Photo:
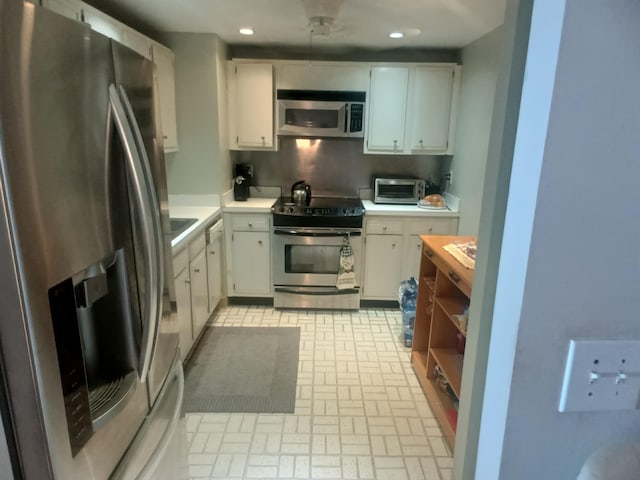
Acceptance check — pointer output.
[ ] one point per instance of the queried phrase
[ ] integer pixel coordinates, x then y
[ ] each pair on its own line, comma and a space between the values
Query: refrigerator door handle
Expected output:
143, 200
157, 226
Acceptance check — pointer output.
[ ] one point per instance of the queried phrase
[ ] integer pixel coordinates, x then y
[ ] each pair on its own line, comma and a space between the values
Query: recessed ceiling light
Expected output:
246, 31
396, 34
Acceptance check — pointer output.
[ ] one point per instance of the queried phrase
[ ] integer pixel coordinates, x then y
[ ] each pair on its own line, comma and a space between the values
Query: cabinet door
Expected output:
199, 292
164, 60
383, 266
254, 105
430, 102
251, 263
387, 109
102, 23
183, 303
67, 8
214, 271
412, 257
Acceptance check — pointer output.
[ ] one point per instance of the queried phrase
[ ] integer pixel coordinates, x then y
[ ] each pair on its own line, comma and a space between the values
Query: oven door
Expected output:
310, 257
306, 263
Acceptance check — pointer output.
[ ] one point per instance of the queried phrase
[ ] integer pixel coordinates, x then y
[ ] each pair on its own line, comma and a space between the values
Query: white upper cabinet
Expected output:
251, 106
160, 55
166, 85
412, 109
137, 42
430, 109
387, 106
102, 23
323, 76
67, 8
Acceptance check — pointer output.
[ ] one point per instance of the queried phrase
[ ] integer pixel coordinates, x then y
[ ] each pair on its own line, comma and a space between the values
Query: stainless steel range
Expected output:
307, 240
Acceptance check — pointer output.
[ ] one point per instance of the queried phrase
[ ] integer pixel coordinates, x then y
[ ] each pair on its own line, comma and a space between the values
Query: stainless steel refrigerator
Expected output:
91, 378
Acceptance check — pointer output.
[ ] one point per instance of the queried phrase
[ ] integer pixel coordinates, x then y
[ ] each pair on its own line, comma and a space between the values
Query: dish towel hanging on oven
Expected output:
346, 275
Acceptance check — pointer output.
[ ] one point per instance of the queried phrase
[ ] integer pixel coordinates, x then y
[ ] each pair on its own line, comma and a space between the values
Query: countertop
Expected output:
405, 210
206, 215
252, 205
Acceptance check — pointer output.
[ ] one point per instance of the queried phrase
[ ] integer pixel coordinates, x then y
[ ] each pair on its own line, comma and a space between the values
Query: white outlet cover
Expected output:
606, 359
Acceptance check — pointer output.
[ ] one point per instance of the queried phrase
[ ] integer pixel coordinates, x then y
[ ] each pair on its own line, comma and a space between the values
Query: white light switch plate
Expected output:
601, 375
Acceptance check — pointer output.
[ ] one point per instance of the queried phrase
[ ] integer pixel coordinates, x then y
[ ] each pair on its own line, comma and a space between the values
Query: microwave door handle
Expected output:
142, 201
346, 117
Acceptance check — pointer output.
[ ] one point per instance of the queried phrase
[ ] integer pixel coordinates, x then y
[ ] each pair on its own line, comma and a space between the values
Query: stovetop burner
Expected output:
321, 212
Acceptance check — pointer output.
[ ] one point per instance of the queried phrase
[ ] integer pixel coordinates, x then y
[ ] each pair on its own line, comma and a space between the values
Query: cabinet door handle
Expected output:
428, 252
187, 282
454, 277
384, 227
212, 253
251, 225
259, 242
196, 270
393, 245
430, 229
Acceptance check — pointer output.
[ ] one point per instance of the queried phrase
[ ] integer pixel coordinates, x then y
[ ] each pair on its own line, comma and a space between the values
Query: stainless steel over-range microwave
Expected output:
398, 190
321, 113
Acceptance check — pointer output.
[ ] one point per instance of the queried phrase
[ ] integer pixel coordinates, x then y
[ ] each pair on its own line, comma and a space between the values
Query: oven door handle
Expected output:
317, 233
317, 291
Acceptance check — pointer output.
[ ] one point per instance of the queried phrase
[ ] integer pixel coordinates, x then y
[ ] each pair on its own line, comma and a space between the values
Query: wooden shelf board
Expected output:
450, 362
440, 403
438, 400
450, 307
419, 357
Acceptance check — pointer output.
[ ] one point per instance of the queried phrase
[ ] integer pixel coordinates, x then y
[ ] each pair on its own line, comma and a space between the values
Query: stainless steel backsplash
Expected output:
334, 166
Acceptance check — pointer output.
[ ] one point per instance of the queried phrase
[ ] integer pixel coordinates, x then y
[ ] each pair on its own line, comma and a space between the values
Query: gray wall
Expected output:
494, 203
333, 166
570, 265
475, 110
201, 165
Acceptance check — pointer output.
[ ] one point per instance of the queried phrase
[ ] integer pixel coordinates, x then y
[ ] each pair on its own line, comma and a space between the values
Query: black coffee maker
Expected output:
241, 182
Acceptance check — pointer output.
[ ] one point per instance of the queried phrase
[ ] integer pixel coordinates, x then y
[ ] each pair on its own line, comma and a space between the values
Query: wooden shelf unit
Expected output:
444, 291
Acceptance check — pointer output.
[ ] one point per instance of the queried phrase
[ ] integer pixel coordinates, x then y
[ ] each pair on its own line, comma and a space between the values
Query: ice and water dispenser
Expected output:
97, 335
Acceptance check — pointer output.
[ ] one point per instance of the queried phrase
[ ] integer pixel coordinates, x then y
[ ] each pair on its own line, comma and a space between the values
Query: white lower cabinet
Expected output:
248, 255
199, 292
392, 251
383, 275
411, 261
214, 266
182, 284
193, 272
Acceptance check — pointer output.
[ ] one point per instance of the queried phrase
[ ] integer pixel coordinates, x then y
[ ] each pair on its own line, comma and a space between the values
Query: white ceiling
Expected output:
361, 23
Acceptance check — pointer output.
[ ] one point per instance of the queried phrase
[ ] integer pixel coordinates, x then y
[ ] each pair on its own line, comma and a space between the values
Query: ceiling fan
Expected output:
321, 15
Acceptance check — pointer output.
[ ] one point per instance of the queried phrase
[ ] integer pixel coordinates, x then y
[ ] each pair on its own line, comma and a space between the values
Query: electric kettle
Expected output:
301, 193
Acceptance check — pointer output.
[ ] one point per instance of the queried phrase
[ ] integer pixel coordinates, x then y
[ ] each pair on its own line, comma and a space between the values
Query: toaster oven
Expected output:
398, 190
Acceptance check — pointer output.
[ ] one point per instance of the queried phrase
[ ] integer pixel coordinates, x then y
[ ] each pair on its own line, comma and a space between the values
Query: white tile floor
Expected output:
360, 412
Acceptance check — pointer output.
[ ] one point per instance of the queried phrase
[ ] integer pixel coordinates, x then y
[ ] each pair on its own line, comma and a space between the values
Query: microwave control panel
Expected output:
355, 123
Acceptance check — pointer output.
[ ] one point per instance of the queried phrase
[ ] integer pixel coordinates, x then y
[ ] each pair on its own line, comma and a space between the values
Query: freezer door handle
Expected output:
149, 469
144, 202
